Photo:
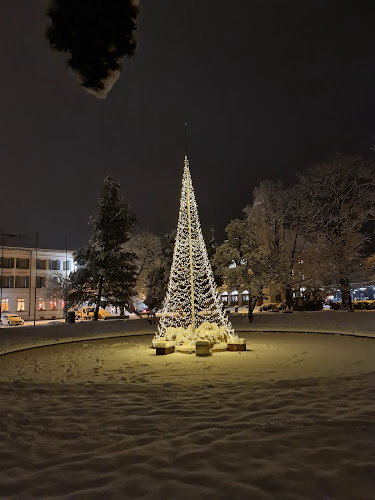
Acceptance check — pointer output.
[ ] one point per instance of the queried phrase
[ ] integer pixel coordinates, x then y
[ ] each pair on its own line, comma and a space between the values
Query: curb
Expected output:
71, 340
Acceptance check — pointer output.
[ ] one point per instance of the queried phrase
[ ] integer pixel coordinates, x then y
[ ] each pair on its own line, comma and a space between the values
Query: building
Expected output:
24, 274
237, 297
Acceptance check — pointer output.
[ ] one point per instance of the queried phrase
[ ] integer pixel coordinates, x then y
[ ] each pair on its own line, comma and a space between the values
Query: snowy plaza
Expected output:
291, 417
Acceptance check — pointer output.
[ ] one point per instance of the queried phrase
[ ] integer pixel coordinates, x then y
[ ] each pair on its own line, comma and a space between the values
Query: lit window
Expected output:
62, 304
41, 305
52, 305
5, 305
21, 304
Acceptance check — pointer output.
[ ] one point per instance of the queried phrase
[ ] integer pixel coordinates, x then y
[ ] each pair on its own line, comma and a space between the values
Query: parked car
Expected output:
86, 313
270, 308
11, 319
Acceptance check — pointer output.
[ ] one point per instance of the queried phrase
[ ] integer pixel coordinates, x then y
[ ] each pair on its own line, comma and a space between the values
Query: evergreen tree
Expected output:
106, 273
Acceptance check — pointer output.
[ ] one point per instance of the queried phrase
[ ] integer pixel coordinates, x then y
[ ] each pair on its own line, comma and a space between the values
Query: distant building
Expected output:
25, 271
238, 297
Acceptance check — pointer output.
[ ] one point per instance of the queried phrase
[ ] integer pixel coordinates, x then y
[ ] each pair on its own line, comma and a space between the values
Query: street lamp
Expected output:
66, 281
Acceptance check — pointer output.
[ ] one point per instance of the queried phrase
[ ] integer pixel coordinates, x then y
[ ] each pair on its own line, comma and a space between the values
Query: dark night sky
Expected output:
267, 87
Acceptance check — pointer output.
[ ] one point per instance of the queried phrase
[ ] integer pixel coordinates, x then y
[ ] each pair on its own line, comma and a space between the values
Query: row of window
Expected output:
21, 281
8, 263
21, 305
52, 265
234, 297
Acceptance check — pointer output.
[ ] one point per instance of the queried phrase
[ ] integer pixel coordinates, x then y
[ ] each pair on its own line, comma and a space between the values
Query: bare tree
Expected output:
277, 216
147, 247
157, 279
340, 201
55, 286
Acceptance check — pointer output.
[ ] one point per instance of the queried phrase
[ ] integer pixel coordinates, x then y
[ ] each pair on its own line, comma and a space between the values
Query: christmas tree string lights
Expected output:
191, 309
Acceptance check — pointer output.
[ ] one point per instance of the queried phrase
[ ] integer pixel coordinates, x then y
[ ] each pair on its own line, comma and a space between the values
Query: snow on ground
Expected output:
291, 418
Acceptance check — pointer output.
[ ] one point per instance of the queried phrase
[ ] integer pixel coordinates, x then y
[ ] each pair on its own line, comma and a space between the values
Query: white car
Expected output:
11, 319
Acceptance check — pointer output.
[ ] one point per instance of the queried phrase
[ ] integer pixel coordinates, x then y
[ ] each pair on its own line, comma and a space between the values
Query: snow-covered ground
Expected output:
291, 418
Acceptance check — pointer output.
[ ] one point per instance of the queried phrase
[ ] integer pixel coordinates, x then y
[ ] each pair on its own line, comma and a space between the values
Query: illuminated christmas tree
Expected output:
192, 309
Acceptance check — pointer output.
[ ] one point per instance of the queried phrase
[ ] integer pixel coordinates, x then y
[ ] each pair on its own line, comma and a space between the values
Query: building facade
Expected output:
237, 297
25, 272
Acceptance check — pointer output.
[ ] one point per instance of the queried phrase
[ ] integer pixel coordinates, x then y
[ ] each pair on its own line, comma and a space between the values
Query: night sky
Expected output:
267, 87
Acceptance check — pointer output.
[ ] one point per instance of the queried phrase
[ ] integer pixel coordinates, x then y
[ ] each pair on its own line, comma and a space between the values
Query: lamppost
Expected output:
36, 273
66, 280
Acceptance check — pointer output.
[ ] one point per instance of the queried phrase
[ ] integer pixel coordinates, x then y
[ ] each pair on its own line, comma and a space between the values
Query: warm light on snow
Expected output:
105, 418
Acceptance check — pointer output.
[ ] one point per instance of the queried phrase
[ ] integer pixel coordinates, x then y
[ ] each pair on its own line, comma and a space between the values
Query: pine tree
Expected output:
106, 273
191, 308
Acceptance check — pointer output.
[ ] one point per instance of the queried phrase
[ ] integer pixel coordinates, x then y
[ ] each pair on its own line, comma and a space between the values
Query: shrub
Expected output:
335, 306
364, 305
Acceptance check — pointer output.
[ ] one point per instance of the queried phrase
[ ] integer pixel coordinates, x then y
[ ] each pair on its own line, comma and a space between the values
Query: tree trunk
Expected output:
252, 302
289, 297
345, 293
65, 304
100, 290
65, 311
122, 311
